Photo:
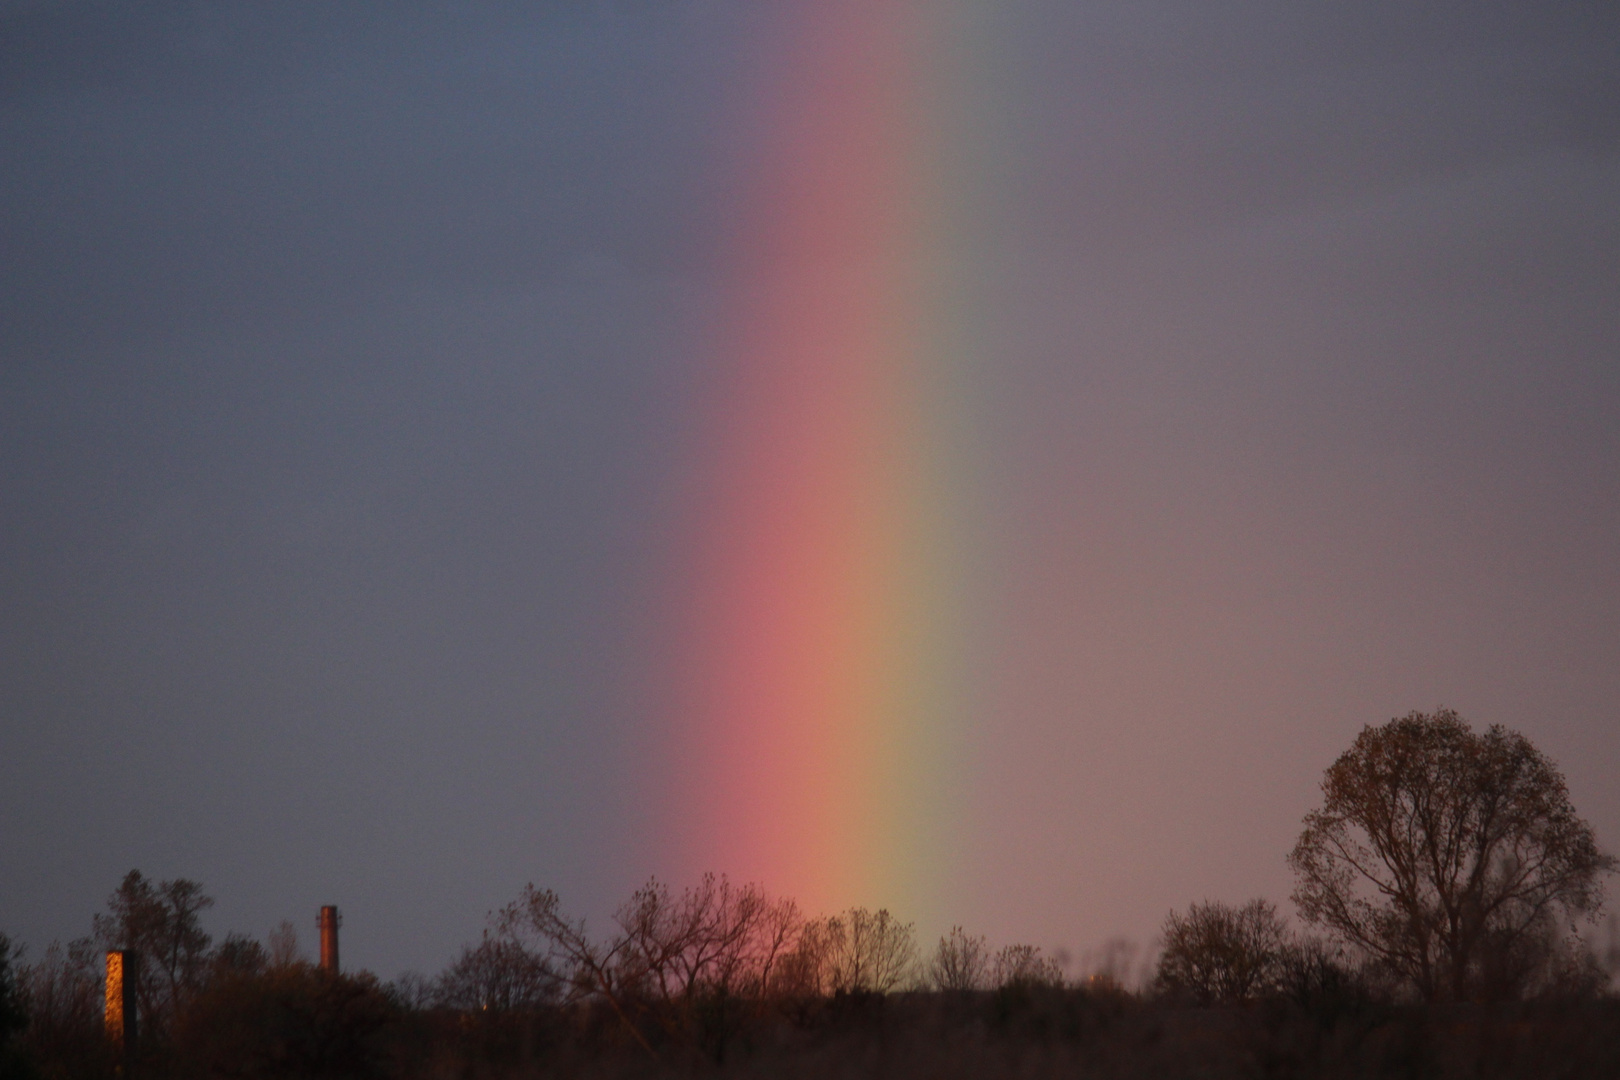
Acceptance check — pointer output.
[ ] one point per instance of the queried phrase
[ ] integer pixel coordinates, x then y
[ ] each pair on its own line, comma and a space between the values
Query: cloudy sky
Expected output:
352, 358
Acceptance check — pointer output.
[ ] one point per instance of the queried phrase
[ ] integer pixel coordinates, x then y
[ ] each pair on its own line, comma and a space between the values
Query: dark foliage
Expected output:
15, 1063
289, 1021
1217, 952
499, 974
63, 992
1033, 1031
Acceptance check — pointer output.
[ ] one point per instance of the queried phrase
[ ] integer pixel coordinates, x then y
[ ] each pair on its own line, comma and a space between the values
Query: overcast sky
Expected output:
351, 357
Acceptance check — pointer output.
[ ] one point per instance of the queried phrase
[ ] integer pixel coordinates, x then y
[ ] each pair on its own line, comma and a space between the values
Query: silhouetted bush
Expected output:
15, 1062
62, 991
1023, 965
961, 961
291, 1021
1320, 983
500, 975
1217, 952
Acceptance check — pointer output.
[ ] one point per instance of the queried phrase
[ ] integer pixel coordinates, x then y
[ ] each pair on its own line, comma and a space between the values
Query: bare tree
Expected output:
1317, 974
161, 921
415, 992
715, 938
802, 970
1447, 857
1220, 953
960, 962
613, 971
63, 990
284, 948
498, 974
1023, 965
13, 1011
238, 954
775, 939
862, 951
712, 939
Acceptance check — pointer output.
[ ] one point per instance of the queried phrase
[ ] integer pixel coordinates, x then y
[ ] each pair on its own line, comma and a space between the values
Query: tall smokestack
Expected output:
123, 971
328, 922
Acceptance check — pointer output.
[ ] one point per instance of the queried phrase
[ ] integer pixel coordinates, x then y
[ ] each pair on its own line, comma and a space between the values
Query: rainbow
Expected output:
820, 636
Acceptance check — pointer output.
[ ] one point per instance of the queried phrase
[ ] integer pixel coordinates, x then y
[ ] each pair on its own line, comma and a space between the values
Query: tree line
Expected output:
1444, 868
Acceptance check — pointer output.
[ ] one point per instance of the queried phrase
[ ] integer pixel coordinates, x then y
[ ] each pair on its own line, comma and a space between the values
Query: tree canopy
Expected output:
1448, 857
161, 921
1217, 952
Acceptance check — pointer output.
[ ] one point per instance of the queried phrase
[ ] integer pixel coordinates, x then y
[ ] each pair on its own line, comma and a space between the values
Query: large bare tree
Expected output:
1452, 859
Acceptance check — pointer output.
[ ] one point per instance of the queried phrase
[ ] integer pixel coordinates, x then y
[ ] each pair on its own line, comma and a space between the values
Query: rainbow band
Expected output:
816, 638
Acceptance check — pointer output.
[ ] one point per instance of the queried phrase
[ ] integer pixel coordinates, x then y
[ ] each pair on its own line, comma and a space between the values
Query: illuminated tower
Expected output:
123, 970
328, 922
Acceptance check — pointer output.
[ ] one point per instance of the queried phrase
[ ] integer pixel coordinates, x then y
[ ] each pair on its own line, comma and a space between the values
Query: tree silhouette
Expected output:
1023, 965
498, 974
668, 955
291, 1021
1217, 952
861, 951
960, 962
13, 1015
63, 991
160, 921
1448, 857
